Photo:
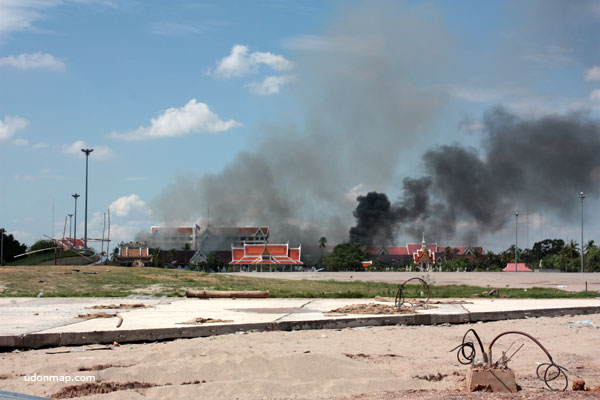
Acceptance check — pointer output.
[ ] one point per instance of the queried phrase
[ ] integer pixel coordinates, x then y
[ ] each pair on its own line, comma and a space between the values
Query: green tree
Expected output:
42, 244
155, 253
345, 256
571, 250
322, 245
547, 247
592, 260
590, 245
462, 264
11, 247
213, 263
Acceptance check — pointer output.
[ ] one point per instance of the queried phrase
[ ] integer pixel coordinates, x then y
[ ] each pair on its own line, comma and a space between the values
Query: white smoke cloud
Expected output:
194, 117
38, 60
10, 125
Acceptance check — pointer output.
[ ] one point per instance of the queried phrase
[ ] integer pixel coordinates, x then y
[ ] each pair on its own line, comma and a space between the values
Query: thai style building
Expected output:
278, 257
428, 256
207, 239
133, 254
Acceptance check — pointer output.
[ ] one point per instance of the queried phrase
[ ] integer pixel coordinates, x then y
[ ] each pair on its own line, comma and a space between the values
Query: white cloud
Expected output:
239, 62
595, 95
270, 85
9, 125
194, 117
127, 205
483, 95
352, 194
307, 42
100, 152
19, 15
20, 142
468, 124
174, 29
33, 61
40, 145
593, 74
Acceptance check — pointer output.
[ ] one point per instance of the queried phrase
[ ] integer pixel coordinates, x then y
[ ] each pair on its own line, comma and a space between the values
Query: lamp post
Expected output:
516, 237
581, 196
2, 246
70, 217
75, 196
87, 153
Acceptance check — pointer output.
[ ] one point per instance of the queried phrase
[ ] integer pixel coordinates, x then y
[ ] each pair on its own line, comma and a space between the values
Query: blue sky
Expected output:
167, 92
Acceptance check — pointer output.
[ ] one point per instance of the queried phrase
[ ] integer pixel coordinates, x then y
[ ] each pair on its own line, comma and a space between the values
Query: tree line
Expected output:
553, 254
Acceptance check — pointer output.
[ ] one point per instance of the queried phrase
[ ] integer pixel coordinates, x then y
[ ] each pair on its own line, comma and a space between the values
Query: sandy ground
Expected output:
570, 282
357, 363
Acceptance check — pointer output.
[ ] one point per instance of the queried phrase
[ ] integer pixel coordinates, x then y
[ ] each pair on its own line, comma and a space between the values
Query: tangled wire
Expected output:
400, 301
547, 372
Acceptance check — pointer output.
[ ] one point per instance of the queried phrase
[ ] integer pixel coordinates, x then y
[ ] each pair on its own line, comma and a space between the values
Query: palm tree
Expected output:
322, 245
589, 246
570, 250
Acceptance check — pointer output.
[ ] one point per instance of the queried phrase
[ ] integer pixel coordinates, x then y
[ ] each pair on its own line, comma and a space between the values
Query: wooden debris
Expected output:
220, 294
96, 315
374, 308
122, 306
201, 320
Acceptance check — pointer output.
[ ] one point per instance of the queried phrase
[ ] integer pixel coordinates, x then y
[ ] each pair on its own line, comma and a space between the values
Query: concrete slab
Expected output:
53, 321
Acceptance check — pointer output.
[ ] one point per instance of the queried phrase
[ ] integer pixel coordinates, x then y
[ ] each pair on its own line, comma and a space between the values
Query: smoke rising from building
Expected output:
370, 87
354, 85
543, 162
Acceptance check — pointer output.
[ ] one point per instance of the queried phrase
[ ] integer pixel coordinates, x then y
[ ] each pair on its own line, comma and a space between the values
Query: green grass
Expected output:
45, 257
110, 281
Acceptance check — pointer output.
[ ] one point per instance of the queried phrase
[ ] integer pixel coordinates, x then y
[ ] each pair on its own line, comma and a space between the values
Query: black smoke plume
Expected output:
541, 162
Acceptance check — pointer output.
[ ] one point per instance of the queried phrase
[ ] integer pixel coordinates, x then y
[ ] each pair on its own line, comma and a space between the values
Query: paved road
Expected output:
570, 282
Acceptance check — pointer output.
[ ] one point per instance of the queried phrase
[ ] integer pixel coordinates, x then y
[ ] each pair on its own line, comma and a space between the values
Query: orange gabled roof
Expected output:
278, 249
295, 254
237, 254
253, 249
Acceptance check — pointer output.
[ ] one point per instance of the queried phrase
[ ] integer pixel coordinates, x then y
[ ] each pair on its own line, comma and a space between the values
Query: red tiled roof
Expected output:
68, 242
278, 249
295, 254
521, 267
237, 253
274, 254
254, 249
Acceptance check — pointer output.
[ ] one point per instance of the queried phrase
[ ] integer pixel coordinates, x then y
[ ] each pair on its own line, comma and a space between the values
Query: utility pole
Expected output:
2, 246
581, 196
75, 196
516, 237
70, 217
87, 153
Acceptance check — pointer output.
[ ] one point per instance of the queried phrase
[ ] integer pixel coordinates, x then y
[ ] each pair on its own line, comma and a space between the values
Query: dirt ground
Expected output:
394, 362
567, 281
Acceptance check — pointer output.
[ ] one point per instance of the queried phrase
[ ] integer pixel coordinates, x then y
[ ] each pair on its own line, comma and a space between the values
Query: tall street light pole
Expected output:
581, 196
75, 196
516, 236
70, 217
87, 154
2, 246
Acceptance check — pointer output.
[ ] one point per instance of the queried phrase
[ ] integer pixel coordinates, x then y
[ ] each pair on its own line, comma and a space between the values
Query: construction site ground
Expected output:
282, 348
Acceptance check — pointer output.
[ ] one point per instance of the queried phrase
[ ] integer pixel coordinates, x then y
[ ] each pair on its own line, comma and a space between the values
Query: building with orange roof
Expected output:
273, 256
133, 254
